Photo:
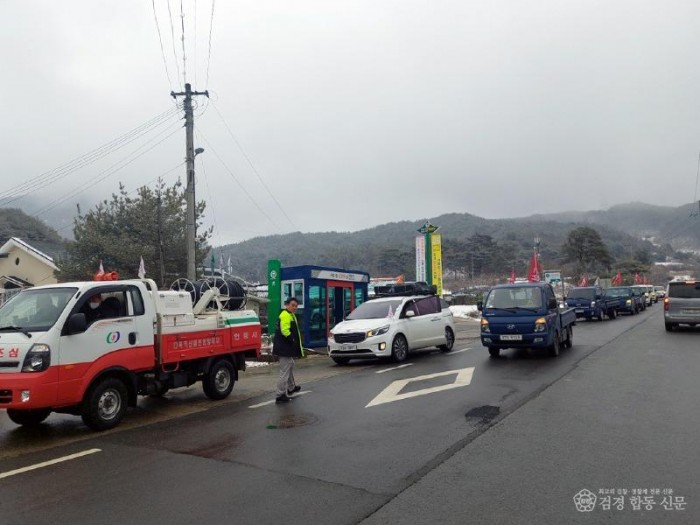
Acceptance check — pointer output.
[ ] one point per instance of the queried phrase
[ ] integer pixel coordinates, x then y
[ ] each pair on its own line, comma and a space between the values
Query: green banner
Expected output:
274, 294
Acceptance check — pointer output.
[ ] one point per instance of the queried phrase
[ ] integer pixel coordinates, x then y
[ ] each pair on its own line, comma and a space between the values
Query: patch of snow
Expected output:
466, 311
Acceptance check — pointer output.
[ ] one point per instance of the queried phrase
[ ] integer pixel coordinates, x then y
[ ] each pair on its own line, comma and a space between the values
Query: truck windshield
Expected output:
35, 310
619, 292
375, 309
582, 293
530, 297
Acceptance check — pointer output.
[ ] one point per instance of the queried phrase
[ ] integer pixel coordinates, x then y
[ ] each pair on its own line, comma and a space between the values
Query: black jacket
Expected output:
287, 345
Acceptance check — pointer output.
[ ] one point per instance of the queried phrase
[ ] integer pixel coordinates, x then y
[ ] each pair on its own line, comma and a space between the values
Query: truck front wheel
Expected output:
494, 352
555, 346
28, 418
105, 404
218, 382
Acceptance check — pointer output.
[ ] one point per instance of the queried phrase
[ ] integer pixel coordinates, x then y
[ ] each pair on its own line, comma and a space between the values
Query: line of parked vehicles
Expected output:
595, 302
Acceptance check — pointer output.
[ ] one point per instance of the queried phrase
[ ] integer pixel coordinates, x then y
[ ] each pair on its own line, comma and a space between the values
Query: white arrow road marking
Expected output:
458, 351
393, 368
265, 403
391, 393
49, 463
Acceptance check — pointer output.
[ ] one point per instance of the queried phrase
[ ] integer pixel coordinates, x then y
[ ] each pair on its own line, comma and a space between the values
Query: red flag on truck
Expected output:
511, 280
637, 279
584, 281
617, 280
533, 274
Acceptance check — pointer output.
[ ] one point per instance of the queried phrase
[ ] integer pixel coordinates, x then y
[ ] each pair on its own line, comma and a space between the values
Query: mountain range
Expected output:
469, 243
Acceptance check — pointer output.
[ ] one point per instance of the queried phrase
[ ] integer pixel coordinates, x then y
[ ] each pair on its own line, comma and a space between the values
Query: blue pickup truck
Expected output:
592, 302
525, 315
631, 299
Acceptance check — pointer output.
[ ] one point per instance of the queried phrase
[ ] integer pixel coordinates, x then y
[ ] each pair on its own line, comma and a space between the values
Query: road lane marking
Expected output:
393, 368
265, 403
49, 463
391, 393
458, 351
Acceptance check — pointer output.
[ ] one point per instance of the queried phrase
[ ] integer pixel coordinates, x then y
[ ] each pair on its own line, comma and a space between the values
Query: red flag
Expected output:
533, 274
512, 276
617, 280
637, 278
584, 281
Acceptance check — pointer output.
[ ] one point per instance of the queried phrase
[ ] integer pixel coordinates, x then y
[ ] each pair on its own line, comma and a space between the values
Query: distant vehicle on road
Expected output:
592, 302
523, 315
660, 292
631, 300
682, 304
408, 319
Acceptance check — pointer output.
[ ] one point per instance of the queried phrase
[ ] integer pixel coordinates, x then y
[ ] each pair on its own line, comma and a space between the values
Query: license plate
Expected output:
511, 337
579, 310
348, 348
690, 311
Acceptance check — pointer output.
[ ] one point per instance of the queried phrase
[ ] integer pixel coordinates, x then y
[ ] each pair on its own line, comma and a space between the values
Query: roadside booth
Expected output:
325, 295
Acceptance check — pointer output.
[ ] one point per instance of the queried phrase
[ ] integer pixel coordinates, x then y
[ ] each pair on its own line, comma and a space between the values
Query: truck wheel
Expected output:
555, 347
399, 349
28, 418
612, 314
218, 382
341, 360
600, 315
569, 338
105, 404
449, 340
494, 352
669, 328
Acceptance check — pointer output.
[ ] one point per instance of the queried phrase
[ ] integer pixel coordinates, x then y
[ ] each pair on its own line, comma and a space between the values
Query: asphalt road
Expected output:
446, 438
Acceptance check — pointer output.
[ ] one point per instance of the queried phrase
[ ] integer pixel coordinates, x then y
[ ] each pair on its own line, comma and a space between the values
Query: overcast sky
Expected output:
357, 113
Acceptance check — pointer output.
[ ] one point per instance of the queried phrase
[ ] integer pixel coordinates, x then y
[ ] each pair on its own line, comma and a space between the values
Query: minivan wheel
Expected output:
449, 340
399, 349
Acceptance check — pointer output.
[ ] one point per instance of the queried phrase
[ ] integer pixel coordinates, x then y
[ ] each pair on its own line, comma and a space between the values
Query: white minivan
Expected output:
392, 327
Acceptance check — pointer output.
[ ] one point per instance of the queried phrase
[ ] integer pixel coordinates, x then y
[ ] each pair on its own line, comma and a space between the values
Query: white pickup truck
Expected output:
54, 357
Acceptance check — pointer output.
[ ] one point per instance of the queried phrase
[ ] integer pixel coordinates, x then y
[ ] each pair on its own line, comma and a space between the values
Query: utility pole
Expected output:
190, 154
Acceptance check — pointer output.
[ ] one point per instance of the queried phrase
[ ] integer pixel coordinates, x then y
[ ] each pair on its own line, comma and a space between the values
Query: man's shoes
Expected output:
293, 390
282, 399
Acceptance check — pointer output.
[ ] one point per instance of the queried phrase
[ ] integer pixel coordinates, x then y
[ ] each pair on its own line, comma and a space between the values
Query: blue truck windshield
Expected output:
515, 297
582, 293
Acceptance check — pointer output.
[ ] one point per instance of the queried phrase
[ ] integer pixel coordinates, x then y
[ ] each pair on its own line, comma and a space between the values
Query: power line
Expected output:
137, 188
47, 178
105, 173
172, 35
269, 192
233, 176
184, 57
211, 25
160, 39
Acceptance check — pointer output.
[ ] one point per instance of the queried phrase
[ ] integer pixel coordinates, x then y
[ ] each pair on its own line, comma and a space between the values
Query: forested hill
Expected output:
16, 223
470, 244
677, 226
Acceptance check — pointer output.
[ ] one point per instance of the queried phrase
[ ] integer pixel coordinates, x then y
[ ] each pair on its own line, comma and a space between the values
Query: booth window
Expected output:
293, 289
359, 297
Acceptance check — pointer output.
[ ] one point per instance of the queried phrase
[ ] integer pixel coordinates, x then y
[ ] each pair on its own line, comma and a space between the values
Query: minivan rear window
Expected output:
684, 290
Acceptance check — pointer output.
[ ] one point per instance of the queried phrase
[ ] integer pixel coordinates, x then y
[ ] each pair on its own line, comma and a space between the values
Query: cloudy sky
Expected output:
341, 115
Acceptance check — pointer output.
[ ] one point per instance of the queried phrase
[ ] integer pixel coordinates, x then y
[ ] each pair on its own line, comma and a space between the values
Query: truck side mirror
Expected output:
480, 305
552, 304
77, 324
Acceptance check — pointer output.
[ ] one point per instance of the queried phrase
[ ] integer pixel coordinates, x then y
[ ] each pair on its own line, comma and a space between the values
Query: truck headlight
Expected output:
37, 359
592, 304
540, 324
628, 302
378, 331
485, 325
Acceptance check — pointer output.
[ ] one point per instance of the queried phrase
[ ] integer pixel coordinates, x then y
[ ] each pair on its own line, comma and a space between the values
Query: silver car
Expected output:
682, 304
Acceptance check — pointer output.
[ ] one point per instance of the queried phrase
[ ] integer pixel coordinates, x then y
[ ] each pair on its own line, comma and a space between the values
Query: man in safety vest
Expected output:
287, 346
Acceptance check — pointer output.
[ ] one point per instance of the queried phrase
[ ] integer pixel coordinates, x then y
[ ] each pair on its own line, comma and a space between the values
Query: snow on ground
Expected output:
467, 311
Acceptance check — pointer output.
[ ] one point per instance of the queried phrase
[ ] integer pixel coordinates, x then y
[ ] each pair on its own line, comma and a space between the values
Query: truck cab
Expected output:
523, 315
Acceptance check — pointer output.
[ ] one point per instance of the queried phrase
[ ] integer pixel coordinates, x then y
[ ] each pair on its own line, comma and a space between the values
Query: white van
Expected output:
393, 327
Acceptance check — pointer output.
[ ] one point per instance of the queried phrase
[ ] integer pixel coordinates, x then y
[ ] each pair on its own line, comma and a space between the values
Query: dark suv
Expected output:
682, 304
